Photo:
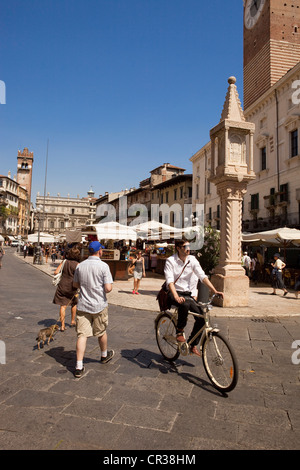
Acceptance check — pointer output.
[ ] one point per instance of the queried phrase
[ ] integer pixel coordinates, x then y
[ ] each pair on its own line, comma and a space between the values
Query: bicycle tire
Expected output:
220, 362
166, 337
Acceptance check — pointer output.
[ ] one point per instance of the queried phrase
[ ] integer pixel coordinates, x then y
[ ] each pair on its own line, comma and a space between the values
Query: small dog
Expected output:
46, 333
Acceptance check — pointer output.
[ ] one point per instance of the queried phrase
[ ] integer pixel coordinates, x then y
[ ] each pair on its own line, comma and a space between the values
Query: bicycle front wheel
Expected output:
220, 362
166, 337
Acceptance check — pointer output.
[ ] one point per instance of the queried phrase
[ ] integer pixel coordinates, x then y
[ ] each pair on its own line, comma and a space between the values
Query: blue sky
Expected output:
117, 86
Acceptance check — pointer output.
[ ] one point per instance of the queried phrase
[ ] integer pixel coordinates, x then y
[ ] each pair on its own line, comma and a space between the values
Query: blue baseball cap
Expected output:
95, 246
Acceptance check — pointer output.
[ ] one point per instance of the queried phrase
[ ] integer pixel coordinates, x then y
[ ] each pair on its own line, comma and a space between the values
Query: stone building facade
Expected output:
59, 213
23, 212
174, 194
9, 206
128, 204
273, 198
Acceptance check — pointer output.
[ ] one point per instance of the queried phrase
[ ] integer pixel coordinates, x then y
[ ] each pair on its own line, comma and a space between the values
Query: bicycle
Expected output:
218, 357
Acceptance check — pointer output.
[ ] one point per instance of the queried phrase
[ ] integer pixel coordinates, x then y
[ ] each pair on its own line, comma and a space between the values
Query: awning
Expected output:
114, 231
44, 238
284, 236
154, 230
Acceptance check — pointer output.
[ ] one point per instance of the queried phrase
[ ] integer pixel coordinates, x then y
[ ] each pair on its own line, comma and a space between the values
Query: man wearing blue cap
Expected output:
94, 279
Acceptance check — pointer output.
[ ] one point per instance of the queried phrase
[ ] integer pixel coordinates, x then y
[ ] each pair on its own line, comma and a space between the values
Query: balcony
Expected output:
188, 200
269, 223
253, 208
270, 201
282, 198
279, 199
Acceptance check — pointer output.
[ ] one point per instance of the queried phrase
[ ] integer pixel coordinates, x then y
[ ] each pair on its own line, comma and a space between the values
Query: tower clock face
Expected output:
253, 11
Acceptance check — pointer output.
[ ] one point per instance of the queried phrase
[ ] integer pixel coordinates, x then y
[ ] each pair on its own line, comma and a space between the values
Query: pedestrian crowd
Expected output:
272, 272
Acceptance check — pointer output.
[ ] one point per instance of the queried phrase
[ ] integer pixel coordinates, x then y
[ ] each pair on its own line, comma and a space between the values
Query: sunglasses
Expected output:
186, 247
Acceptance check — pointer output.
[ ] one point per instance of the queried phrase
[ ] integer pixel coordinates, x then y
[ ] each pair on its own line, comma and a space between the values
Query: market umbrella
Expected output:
284, 236
281, 237
44, 238
114, 231
154, 230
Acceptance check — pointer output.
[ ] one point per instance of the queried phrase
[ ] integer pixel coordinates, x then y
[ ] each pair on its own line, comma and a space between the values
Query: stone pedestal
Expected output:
234, 288
229, 276
231, 170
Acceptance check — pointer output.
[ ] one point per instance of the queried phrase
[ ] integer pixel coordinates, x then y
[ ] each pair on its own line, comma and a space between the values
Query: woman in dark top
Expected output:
65, 291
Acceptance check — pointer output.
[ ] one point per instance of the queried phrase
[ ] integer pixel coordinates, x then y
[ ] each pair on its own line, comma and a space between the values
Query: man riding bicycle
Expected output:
180, 271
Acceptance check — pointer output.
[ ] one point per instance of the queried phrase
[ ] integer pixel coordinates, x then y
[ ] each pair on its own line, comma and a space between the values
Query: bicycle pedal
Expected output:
184, 349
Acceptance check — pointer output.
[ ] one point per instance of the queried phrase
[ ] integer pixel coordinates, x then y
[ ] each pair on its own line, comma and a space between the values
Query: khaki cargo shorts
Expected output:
91, 324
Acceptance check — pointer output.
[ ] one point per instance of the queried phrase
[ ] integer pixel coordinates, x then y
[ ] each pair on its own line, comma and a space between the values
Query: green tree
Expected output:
209, 254
4, 212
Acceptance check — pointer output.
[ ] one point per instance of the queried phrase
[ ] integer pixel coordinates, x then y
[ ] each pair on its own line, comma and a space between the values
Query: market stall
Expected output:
286, 241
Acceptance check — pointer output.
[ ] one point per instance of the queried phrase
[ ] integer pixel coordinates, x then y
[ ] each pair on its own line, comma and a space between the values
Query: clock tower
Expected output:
271, 44
24, 172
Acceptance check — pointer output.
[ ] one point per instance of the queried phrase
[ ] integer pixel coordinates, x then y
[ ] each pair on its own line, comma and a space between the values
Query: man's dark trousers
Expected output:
188, 305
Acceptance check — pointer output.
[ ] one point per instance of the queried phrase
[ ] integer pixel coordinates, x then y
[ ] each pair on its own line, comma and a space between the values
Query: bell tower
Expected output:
271, 44
24, 172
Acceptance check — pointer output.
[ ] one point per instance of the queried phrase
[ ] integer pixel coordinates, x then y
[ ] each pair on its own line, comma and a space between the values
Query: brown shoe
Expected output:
195, 351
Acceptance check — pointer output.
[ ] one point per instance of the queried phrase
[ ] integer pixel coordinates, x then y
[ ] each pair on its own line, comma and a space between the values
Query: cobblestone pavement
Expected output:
138, 401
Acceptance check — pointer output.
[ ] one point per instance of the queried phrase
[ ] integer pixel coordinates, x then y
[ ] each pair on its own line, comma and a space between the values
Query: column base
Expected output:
235, 290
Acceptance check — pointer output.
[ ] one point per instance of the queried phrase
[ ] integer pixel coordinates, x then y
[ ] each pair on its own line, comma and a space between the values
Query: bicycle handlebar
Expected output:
206, 304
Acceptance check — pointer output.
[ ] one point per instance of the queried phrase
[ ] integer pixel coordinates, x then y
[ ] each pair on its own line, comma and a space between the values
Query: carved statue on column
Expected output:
231, 171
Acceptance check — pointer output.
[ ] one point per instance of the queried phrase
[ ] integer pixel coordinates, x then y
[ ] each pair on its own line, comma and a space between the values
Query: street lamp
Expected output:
38, 257
192, 219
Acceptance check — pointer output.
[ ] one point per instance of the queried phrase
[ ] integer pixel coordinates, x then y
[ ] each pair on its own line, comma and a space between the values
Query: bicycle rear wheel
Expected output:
166, 337
220, 362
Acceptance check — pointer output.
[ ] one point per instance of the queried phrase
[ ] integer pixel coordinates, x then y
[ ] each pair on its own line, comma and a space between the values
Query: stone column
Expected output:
231, 173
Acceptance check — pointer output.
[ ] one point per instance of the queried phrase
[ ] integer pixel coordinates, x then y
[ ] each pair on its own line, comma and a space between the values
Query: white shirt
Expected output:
246, 261
186, 282
278, 264
92, 274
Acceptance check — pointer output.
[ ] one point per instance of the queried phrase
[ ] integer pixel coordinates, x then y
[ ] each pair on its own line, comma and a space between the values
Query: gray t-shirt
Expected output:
91, 275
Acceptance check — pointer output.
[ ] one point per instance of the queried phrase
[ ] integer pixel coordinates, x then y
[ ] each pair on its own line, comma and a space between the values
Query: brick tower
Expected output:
271, 44
24, 172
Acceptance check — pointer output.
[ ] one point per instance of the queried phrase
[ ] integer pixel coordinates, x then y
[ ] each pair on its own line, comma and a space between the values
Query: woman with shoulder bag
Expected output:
65, 292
